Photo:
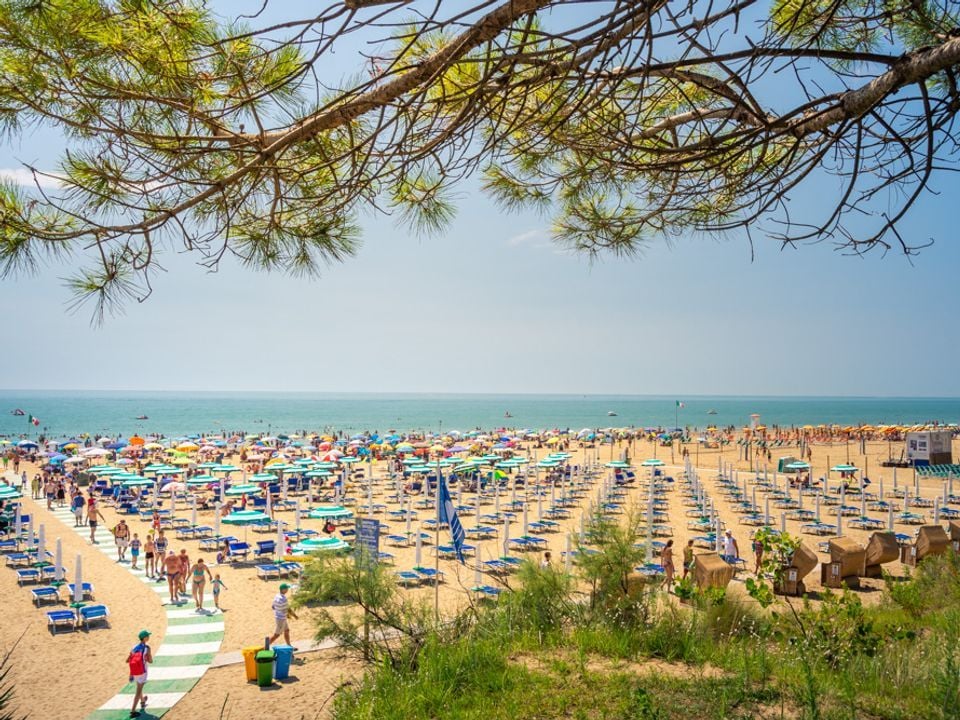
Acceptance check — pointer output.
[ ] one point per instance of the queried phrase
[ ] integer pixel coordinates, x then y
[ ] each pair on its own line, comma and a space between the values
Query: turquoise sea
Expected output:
67, 413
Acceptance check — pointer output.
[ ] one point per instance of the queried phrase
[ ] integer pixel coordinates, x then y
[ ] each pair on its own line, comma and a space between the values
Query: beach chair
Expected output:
429, 574
408, 578
27, 575
267, 572
203, 531
265, 548
87, 590
385, 558
45, 594
398, 540
449, 551
237, 551
57, 619
185, 533
18, 559
93, 613
487, 591
7, 546
215, 543
291, 567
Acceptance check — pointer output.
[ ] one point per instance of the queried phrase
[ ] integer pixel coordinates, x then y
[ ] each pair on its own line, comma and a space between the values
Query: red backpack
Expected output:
137, 660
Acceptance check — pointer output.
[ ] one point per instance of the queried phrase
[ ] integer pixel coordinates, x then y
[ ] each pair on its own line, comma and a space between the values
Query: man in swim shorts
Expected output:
171, 563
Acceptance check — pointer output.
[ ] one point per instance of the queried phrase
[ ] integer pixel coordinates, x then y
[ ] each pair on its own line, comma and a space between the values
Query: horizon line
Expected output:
668, 396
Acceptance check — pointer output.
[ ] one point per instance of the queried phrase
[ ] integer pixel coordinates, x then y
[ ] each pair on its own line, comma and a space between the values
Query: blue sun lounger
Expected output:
290, 567
266, 572
28, 575
93, 613
487, 591
45, 594
429, 574
408, 577
266, 548
57, 619
237, 551
87, 590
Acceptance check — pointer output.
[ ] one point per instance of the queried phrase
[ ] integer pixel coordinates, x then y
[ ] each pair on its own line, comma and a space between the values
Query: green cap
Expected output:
284, 586
144, 634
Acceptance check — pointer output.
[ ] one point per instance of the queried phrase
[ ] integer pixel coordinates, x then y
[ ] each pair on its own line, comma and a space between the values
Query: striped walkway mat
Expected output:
191, 642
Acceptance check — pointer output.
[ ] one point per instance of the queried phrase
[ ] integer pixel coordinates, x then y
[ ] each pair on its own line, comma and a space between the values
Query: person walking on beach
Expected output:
161, 553
93, 518
134, 551
198, 575
217, 585
281, 608
121, 536
77, 504
50, 490
149, 555
757, 554
171, 564
731, 551
137, 662
688, 558
184, 570
666, 559
35, 486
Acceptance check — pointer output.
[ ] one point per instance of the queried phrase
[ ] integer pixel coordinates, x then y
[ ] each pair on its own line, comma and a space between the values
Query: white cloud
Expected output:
536, 238
25, 177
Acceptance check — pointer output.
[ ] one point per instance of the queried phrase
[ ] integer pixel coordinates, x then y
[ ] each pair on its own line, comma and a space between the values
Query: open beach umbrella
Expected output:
332, 512
9, 492
243, 489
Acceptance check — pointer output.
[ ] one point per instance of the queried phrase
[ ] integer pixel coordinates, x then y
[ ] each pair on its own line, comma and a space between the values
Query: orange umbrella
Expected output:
136, 440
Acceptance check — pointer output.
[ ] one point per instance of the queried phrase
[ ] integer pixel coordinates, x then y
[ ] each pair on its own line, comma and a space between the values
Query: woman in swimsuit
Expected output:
171, 564
199, 574
666, 559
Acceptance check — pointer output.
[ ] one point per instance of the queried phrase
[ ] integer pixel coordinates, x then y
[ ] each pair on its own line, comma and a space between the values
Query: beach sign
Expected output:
367, 545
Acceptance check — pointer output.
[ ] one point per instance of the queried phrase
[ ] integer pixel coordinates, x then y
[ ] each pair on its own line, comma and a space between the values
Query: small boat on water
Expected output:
142, 417
18, 412
711, 412
611, 413
507, 414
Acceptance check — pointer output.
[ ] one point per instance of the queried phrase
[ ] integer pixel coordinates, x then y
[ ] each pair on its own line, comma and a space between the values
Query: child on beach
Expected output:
217, 584
134, 551
137, 661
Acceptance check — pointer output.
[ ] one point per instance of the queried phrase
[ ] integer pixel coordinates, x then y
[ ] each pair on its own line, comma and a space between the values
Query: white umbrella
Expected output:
18, 524
817, 507
58, 562
719, 532
30, 538
506, 535
296, 514
477, 575
193, 510
568, 558
539, 506
418, 548
582, 533
783, 523
284, 486
881, 487
223, 487
409, 516
78, 580
496, 501
216, 520
42, 544
281, 541
890, 518
863, 505
839, 523
936, 511
526, 530
766, 511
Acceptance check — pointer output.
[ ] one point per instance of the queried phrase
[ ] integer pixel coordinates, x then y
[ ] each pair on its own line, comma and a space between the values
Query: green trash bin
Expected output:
264, 661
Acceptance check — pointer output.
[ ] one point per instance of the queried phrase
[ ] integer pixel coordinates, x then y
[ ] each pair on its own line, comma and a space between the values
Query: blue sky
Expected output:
492, 306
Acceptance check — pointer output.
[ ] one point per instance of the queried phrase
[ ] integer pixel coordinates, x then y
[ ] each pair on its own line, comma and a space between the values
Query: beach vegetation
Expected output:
561, 645
249, 139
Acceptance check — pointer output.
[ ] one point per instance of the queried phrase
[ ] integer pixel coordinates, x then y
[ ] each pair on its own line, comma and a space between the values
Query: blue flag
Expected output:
447, 513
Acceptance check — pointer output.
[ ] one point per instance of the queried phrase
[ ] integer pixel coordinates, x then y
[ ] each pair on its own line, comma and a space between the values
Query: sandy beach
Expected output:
84, 669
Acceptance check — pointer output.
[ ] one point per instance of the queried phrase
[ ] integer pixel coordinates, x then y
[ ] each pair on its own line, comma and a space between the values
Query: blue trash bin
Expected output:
284, 658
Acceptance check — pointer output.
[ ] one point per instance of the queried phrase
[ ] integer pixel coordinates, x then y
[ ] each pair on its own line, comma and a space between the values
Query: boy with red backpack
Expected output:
137, 661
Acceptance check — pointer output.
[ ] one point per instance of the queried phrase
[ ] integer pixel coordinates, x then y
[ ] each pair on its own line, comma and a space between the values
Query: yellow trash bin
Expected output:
249, 661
